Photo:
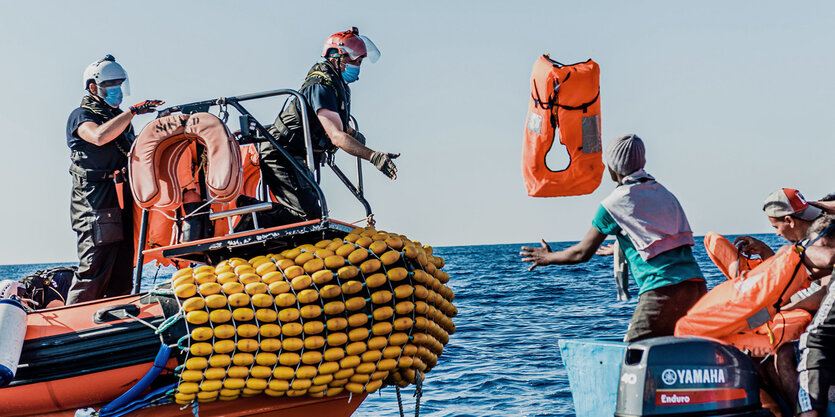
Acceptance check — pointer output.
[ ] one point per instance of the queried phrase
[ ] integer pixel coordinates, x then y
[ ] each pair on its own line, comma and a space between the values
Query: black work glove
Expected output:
146, 106
383, 162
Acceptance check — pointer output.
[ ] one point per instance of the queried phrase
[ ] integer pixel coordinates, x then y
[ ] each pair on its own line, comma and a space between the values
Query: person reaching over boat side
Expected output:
99, 135
652, 229
790, 215
329, 110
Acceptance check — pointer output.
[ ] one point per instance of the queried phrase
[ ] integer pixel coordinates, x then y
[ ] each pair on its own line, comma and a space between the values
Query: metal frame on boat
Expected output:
242, 243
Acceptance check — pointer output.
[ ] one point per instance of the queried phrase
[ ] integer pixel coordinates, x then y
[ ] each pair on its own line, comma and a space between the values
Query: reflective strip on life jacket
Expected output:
786, 326
564, 97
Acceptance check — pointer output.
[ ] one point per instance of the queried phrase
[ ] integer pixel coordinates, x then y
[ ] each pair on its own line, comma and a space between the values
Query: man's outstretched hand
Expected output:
536, 255
383, 162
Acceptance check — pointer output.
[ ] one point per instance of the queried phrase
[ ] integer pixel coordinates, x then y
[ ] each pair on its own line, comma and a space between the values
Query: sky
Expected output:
733, 101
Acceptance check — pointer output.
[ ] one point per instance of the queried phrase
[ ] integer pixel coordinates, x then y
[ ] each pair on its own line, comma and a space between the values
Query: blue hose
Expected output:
143, 384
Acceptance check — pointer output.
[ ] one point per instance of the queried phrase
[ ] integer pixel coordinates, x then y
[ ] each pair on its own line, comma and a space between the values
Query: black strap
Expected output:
92, 175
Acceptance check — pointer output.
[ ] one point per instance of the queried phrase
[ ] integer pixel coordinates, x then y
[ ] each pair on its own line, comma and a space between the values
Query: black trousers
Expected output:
292, 191
105, 241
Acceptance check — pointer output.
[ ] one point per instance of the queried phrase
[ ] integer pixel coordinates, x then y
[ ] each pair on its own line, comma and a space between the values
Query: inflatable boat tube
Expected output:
83, 354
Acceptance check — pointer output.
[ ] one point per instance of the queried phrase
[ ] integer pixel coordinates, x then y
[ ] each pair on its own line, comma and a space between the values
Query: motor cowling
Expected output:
692, 376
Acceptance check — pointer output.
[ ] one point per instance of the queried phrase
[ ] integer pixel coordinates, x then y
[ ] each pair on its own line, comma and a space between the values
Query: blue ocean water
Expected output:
503, 359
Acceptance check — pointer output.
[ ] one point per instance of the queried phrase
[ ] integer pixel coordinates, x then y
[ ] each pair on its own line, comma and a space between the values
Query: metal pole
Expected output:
140, 257
309, 173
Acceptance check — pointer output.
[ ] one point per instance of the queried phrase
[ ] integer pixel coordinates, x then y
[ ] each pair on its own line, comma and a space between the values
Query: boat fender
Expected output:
13, 329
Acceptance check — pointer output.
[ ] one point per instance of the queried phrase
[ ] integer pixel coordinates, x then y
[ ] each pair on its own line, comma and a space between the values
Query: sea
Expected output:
503, 359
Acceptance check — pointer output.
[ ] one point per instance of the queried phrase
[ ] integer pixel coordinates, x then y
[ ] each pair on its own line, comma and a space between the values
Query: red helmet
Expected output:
350, 43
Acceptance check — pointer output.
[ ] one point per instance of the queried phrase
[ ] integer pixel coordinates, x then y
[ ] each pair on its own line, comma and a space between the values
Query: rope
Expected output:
156, 274
399, 400
141, 321
418, 391
169, 322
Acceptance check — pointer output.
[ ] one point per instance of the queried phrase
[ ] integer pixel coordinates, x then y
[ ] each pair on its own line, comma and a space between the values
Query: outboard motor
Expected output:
691, 376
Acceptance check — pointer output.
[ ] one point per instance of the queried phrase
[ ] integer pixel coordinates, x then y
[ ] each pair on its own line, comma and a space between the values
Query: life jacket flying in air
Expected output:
565, 99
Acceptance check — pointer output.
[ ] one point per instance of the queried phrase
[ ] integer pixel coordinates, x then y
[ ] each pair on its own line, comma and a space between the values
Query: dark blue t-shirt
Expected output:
110, 156
77, 117
320, 96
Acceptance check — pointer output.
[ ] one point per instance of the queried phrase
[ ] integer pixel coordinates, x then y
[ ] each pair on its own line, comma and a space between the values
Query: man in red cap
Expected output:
328, 106
790, 215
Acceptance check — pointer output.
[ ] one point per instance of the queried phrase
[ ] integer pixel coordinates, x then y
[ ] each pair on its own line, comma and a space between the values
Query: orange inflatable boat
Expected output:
564, 105
127, 355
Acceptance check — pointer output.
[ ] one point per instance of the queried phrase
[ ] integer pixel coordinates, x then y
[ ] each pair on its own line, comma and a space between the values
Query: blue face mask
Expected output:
113, 96
351, 73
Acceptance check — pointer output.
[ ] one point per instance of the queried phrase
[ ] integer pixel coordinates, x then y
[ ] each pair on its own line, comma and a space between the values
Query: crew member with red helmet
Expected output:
328, 98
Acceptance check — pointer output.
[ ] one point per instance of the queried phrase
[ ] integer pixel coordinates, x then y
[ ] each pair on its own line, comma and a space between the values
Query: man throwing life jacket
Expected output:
653, 232
99, 136
328, 98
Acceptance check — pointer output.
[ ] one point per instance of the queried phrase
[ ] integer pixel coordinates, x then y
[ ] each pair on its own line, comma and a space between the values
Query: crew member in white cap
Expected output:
653, 233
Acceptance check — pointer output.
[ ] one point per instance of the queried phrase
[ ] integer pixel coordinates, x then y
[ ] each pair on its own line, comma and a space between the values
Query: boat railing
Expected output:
253, 131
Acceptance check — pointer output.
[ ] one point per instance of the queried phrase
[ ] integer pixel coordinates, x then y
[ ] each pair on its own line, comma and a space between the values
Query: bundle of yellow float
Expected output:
344, 314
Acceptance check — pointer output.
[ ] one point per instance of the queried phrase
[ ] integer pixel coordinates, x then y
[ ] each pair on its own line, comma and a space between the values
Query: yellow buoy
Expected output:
194, 303
348, 272
285, 300
322, 277
279, 287
220, 316
185, 290
357, 256
197, 317
270, 330
247, 330
266, 315
336, 323
200, 334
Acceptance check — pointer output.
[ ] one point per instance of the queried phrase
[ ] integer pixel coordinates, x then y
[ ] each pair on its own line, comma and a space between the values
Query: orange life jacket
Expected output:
565, 97
748, 302
785, 327
727, 257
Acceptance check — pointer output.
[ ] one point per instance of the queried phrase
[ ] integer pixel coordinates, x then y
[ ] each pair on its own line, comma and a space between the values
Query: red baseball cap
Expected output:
789, 202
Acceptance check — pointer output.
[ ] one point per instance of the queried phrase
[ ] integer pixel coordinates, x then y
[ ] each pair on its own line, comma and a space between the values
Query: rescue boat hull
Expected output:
88, 354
